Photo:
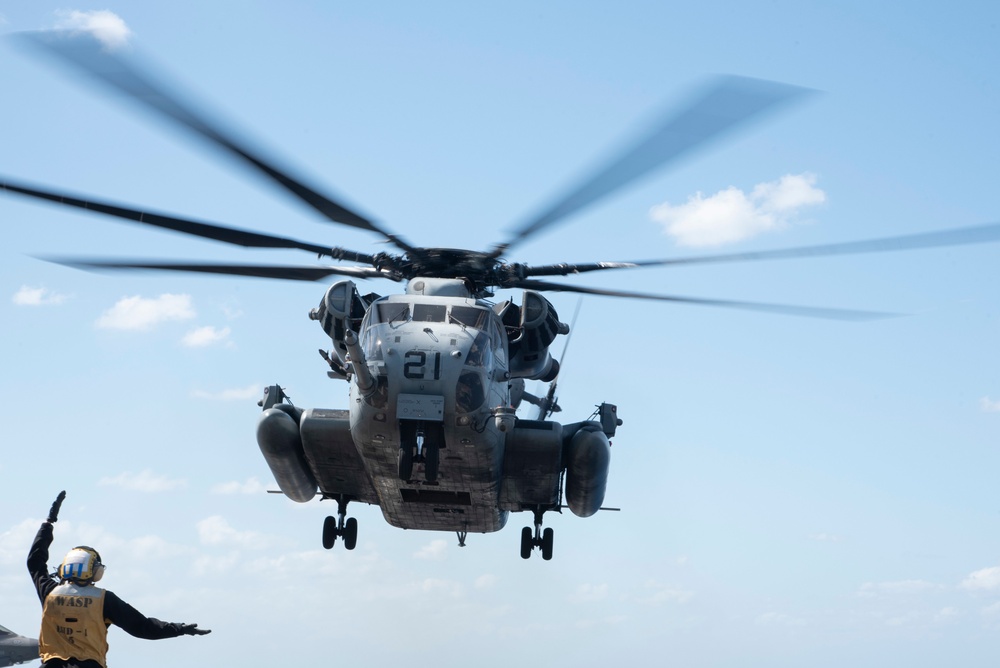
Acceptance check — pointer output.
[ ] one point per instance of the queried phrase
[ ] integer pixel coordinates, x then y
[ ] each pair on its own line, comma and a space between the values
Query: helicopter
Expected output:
437, 373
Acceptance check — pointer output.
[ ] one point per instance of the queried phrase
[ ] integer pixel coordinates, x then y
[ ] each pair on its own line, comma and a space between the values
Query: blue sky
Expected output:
793, 491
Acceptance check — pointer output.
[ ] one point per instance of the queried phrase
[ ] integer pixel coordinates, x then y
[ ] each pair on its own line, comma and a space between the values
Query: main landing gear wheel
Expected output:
342, 526
537, 538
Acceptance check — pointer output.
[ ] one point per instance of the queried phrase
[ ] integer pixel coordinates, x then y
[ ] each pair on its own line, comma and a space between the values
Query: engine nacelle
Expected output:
279, 441
341, 305
588, 460
538, 325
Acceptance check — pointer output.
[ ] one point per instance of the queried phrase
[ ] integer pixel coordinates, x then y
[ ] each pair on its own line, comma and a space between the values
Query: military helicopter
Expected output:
437, 373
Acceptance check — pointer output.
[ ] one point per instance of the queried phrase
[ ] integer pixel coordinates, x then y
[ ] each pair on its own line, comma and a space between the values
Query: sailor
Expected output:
76, 614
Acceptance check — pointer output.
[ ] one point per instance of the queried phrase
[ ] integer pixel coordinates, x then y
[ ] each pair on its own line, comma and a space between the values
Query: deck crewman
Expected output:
76, 614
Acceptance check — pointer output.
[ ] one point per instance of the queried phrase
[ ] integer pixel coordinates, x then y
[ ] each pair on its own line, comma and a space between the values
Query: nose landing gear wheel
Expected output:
404, 463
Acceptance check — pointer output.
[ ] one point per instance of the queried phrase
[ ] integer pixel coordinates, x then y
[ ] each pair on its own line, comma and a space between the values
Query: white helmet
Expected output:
81, 565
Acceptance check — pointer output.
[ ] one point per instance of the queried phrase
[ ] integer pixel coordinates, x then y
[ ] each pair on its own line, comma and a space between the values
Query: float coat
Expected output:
73, 624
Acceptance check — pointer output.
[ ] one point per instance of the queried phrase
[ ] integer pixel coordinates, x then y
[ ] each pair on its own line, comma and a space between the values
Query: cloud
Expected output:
731, 215
433, 550
29, 296
983, 579
251, 486
898, 587
106, 26
487, 581
144, 481
140, 313
990, 405
779, 619
234, 394
590, 593
205, 336
215, 530
826, 537
658, 594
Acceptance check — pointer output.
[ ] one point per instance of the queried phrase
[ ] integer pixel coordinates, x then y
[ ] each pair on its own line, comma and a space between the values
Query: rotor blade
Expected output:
82, 51
229, 235
287, 272
782, 309
977, 234
722, 106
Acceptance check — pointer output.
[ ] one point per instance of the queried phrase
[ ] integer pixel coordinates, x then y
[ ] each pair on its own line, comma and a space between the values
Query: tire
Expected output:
526, 538
547, 537
432, 462
329, 532
350, 533
404, 462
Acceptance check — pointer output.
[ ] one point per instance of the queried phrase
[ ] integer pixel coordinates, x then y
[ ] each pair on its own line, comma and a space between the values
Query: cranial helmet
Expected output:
82, 565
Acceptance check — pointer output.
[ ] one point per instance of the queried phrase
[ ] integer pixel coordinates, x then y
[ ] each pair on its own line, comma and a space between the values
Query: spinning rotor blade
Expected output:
287, 272
86, 53
222, 233
977, 234
782, 309
723, 106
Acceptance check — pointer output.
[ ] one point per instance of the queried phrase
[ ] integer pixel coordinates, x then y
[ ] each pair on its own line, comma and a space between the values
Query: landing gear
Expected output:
342, 526
537, 538
421, 444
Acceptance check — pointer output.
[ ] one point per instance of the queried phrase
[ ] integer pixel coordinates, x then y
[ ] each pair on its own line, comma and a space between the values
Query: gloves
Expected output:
54, 511
192, 630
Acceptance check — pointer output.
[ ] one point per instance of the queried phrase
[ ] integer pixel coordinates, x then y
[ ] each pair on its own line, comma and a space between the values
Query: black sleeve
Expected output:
133, 622
38, 562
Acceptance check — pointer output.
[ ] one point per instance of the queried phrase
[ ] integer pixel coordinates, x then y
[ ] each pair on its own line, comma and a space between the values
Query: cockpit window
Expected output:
429, 312
470, 316
393, 312
469, 393
481, 352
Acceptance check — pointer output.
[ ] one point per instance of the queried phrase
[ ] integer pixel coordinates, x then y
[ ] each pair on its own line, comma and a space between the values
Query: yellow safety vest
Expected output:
73, 624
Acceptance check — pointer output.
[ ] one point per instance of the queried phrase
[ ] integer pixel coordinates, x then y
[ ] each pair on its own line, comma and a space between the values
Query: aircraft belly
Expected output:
464, 497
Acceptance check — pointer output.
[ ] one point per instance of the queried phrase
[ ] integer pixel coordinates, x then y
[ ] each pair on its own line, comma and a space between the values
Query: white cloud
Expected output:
234, 394
990, 405
215, 530
658, 594
487, 581
433, 550
205, 336
779, 619
826, 537
144, 481
106, 26
985, 578
140, 313
251, 486
731, 215
590, 593
869, 589
29, 296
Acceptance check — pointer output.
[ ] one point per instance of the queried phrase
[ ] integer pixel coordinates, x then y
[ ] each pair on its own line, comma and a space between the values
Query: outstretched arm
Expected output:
38, 555
136, 624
